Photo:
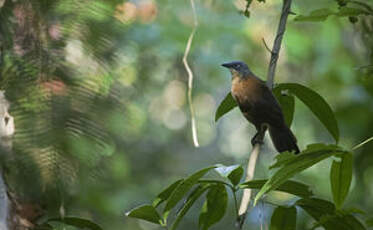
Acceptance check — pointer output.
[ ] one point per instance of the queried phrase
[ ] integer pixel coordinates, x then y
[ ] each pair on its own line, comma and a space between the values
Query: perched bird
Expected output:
260, 107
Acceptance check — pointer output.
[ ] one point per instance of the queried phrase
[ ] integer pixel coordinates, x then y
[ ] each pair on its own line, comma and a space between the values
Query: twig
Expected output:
266, 46
190, 75
270, 78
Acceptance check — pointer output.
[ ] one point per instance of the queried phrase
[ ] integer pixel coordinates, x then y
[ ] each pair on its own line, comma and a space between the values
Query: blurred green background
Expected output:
98, 93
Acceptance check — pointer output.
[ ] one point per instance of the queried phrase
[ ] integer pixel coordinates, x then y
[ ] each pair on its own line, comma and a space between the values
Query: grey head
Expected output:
238, 67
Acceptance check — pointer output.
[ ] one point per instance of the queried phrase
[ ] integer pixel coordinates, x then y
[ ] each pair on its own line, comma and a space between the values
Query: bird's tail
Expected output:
283, 139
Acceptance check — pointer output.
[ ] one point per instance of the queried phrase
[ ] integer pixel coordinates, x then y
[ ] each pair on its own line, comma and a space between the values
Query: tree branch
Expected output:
277, 43
270, 79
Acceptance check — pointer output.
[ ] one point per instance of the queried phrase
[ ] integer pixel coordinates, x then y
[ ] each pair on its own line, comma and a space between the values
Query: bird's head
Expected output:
238, 69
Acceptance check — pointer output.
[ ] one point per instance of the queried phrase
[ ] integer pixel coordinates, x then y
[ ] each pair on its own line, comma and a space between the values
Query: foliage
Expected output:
326, 214
97, 92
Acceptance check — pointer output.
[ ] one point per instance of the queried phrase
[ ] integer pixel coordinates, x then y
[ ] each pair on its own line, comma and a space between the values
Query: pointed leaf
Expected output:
351, 222
182, 189
323, 14
76, 222
286, 157
340, 178
225, 106
234, 173
293, 165
315, 16
284, 218
325, 213
165, 194
289, 186
353, 211
214, 207
349, 11
369, 222
145, 212
287, 103
316, 104
316, 207
197, 192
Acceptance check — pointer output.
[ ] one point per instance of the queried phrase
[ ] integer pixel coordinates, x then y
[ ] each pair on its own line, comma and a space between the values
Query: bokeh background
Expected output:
98, 93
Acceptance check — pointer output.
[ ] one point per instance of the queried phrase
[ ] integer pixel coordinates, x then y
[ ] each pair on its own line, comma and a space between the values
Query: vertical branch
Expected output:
270, 79
190, 75
277, 43
249, 176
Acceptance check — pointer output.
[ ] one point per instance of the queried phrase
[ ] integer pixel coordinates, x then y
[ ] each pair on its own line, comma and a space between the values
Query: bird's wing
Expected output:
266, 108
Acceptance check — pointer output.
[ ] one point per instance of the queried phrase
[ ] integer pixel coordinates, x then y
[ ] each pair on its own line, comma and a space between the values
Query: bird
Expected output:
260, 107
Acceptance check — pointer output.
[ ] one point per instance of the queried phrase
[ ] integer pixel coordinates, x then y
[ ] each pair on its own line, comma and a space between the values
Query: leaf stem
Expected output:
232, 188
235, 202
362, 143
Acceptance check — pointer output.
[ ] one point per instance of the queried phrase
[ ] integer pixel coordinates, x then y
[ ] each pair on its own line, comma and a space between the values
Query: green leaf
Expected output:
43, 226
197, 192
182, 189
316, 207
225, 106
284, 218
290, 166
340, 178
165, 194
214, 207
76, 222
315, 16
289, 186
316, 104
286, 157
369, 222
287, 103
234, 173
145, 212
351, 222
348, 11
283, 158
322, 14
325, 213
353, 211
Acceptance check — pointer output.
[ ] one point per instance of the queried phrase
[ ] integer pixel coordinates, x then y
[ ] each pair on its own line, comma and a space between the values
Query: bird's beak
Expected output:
227, 65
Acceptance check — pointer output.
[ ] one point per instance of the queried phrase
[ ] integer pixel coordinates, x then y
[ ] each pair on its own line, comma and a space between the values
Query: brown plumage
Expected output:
260, 107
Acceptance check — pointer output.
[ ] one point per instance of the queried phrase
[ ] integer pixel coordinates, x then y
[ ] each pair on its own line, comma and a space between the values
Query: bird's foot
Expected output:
257, 139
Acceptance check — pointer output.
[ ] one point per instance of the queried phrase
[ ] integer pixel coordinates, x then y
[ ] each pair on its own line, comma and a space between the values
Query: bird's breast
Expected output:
245, 90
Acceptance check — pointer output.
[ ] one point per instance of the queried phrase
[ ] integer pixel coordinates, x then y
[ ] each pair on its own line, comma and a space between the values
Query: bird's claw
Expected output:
257, 139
